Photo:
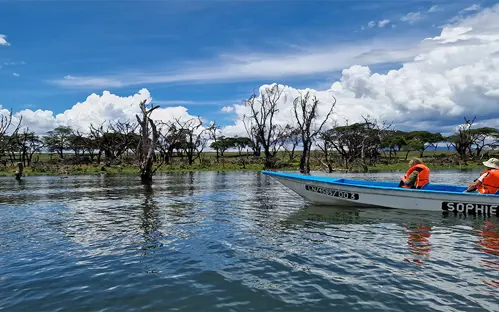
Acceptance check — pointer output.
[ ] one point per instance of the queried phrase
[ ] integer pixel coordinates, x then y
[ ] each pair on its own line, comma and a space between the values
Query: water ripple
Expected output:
233, 242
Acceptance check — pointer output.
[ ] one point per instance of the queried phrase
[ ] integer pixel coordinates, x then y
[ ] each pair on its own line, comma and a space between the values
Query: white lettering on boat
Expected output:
470, 208
332, 192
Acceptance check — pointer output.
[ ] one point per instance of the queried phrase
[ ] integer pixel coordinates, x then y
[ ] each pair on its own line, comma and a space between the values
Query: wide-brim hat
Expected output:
492, 163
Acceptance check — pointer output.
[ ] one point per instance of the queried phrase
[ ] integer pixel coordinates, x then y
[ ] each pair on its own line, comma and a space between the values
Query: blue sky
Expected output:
189, 52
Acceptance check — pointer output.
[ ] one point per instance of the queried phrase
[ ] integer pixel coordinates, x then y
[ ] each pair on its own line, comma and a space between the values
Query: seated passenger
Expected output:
417, 176
488, 182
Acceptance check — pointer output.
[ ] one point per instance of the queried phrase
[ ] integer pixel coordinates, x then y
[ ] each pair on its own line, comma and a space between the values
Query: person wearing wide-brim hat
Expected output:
488, 182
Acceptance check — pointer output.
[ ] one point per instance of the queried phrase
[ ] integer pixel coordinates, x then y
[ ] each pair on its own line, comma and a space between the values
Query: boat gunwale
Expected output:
325, 180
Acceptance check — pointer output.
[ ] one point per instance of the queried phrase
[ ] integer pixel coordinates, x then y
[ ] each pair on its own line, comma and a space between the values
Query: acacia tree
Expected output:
394, 140
77, 142
123, 137
358, 142
147, 143
118, 138
422, 140
374, 136
223, 144
170, 138
495, 141
462, 140
58, 140
241, 143
479, 137
261, 117
29, 145
193, 141
305, 109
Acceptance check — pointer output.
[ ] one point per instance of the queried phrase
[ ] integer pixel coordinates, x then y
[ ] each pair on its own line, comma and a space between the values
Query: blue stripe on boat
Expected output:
429, 188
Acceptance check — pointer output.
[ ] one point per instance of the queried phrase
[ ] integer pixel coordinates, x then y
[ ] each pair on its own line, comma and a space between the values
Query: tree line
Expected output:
146, 142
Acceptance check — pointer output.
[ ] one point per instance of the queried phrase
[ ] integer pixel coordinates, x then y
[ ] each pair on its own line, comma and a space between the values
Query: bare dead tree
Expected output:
170, 138
251, 130
97, 136
114, 140
371, 141
293, 139
278, 140
356, 143
8, 130
77, 142
193, 141
201, 143
6, 123
29, 144
327, 157
214, 131
123, 137
262, 112
305, 109
147, 143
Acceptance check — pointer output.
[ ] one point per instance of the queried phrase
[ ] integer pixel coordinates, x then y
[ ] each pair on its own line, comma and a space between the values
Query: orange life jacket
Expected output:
423, 176
490, 184
485, 171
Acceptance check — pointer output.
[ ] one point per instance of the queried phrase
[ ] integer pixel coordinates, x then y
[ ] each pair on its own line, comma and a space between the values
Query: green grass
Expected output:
232, 162
404, 166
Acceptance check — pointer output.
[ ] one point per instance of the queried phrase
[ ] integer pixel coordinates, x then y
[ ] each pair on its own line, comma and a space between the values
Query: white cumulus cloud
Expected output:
442, 79
383, 23
227, 109
3, 40
453, 75
96, 110
16, 74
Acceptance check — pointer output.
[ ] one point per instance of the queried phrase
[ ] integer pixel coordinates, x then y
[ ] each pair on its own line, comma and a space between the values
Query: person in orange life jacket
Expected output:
488, 182
417, 176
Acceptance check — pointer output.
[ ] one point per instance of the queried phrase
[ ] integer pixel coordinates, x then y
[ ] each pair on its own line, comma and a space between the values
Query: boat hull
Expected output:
341, 192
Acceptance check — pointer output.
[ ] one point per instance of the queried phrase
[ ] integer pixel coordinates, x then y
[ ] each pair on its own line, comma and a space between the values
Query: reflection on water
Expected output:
489, 243
419, 243
233, 241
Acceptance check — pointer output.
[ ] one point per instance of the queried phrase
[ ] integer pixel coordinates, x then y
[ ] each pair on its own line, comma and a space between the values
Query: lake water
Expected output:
234, 242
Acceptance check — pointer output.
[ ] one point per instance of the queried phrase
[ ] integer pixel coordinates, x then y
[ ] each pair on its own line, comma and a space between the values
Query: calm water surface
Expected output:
233, 242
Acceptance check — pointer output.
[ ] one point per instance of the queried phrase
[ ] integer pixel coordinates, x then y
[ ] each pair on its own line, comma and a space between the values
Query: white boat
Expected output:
361, 193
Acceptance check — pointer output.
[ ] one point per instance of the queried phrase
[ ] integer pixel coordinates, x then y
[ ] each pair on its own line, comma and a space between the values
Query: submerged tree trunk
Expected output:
147, 144
19, 171
305, 158
268, 160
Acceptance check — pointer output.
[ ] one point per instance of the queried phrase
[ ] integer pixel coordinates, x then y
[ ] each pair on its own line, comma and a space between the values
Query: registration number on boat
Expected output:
332, 192
471, 208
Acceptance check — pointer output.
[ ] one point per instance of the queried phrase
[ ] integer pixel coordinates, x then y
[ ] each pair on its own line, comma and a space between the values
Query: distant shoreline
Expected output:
78, 170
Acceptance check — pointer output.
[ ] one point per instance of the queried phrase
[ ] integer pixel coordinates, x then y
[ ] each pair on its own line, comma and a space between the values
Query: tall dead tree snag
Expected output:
261, 117
306, 114
147, 143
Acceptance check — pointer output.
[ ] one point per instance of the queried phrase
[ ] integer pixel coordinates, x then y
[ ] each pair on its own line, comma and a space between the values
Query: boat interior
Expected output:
435, 187
428, 187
